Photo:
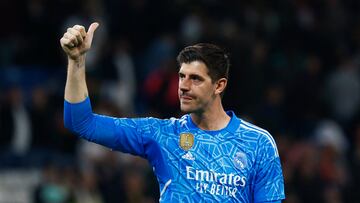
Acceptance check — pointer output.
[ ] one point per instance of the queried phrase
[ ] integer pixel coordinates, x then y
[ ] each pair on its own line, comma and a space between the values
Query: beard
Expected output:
190, 108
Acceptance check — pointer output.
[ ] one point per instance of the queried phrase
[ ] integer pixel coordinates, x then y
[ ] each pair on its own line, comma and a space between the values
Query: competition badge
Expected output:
186, 141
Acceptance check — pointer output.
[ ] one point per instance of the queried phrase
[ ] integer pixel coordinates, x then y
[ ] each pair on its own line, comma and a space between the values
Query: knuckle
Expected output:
77, 33
72, 31
78, 27
68, 34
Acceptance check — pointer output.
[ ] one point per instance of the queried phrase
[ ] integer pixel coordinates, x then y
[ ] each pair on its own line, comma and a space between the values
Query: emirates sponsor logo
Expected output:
215, 183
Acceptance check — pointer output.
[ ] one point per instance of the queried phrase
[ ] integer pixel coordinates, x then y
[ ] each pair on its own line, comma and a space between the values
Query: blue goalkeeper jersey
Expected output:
239, 163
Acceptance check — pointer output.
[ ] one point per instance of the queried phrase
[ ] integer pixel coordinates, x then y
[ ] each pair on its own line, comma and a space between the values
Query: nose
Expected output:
184, 84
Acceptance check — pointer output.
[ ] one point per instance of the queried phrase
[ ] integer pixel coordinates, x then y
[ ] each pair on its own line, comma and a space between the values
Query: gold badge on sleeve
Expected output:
186, 141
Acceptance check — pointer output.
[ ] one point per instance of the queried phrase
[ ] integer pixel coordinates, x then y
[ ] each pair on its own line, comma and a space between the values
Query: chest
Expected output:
201, 157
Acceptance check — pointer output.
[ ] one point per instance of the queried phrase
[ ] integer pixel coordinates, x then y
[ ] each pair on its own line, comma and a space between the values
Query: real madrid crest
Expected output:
186, 141
240, 160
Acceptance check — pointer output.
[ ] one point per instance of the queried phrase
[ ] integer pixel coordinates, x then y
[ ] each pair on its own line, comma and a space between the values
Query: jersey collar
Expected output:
232, 126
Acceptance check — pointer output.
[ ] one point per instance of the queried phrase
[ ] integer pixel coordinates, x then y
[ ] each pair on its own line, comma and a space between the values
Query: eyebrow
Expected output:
193, 75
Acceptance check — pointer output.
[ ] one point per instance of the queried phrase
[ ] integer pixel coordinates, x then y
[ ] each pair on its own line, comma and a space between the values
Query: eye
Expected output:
181, 76
196, 79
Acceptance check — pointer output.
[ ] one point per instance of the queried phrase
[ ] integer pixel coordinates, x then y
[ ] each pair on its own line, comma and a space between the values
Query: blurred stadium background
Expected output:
295, 71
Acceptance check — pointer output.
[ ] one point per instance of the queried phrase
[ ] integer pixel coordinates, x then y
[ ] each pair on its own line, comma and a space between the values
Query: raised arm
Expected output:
75, 43
116, 133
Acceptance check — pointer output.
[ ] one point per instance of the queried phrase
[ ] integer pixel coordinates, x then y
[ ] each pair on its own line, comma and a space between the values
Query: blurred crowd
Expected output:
295, 72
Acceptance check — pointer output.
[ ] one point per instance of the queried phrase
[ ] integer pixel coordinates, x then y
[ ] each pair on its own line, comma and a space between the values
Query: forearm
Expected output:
116, 133
76, 89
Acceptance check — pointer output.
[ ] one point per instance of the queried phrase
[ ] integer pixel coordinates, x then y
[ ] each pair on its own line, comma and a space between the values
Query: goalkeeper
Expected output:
207, 155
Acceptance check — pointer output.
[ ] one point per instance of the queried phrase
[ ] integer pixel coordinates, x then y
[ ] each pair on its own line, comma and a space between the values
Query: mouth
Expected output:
186, 98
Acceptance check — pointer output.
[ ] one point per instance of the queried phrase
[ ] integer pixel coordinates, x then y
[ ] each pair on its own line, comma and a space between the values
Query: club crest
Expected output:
240, 160
186, 141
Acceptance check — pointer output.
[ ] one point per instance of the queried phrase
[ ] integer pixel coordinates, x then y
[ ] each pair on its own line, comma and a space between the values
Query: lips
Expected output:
186, 97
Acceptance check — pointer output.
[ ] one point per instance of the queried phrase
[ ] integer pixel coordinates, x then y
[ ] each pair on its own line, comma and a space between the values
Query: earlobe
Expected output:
220, 85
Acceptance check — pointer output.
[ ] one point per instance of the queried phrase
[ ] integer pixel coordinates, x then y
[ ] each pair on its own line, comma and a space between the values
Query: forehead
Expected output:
195, 67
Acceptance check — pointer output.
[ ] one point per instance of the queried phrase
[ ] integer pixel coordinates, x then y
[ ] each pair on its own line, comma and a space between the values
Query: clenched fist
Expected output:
76, 41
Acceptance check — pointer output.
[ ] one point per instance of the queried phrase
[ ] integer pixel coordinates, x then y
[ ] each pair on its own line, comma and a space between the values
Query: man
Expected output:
208, 155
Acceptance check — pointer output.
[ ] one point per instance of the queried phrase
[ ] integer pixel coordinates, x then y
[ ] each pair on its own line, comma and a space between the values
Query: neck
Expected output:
214, 118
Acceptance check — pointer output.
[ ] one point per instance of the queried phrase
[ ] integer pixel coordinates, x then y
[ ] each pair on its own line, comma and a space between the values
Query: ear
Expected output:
220, 85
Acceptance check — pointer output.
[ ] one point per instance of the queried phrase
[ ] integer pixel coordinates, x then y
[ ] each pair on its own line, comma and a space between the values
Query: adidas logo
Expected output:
188, 156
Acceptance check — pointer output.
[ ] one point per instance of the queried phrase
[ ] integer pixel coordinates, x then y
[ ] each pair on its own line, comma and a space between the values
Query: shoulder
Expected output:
164, 123
264, 139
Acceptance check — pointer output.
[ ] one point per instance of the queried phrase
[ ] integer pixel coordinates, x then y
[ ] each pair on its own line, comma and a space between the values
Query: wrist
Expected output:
78, 62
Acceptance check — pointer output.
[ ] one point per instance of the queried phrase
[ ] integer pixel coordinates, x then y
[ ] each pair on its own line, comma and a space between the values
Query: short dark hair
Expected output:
215, 58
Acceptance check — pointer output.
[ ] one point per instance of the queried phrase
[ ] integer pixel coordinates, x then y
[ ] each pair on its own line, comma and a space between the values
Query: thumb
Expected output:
90, 32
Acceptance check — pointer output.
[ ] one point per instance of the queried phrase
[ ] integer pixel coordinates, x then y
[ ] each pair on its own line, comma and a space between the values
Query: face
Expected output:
196, 90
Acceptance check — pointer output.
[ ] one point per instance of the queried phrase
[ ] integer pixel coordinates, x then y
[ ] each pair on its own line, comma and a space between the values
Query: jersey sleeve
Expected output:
269, 181
122, 134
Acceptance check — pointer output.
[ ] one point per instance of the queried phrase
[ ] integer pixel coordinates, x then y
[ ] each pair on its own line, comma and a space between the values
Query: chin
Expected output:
186, 109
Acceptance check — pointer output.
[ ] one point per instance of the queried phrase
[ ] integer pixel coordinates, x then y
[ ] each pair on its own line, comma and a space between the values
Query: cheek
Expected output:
207, 94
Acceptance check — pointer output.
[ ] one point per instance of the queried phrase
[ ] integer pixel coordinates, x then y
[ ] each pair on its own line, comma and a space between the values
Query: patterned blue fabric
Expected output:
239, 163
